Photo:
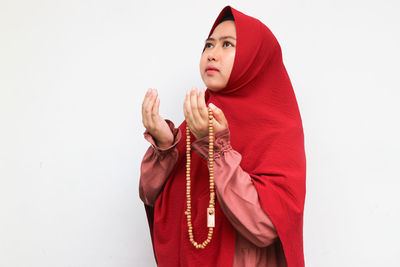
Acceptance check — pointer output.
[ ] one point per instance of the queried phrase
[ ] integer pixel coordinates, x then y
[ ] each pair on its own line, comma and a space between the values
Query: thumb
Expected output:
218, 114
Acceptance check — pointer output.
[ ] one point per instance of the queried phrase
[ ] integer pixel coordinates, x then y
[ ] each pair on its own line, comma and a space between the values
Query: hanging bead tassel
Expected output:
211, 207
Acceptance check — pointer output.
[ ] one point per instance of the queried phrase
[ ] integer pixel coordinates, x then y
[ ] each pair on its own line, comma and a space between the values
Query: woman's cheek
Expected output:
232, 58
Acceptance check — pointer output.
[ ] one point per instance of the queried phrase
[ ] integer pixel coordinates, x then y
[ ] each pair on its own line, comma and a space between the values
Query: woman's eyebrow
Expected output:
222, 38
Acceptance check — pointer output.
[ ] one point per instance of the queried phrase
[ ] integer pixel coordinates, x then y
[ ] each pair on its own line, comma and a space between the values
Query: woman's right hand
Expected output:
153, 122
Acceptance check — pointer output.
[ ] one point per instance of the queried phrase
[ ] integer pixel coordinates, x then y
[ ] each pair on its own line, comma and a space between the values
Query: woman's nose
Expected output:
213, 54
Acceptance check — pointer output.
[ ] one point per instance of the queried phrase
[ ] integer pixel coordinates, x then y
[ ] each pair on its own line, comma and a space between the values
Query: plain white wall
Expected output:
73, 75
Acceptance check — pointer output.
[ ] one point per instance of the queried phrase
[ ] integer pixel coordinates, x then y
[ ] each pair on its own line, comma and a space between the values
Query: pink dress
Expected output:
257, 243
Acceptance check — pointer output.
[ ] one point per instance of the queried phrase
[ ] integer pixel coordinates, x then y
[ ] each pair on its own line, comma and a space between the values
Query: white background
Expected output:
73, 75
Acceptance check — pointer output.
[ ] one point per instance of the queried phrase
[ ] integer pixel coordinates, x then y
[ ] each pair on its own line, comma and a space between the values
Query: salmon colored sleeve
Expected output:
236, 192
156, 165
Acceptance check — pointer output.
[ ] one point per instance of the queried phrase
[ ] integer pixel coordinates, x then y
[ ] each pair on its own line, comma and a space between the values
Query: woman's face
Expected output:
219, 54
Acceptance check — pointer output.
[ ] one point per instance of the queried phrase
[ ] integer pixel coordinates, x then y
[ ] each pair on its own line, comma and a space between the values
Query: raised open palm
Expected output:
153, 122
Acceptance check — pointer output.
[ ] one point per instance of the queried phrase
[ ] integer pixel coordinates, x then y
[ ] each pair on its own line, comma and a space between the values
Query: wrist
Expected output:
201, 135
164, 145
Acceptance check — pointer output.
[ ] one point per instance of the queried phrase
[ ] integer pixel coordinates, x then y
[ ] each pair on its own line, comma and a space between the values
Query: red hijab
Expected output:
266, 129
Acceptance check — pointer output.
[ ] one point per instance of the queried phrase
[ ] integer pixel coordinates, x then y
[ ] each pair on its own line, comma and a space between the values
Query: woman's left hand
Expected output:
196, 114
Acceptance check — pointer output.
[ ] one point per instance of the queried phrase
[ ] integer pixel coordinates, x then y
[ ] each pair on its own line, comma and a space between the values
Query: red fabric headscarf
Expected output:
266, 129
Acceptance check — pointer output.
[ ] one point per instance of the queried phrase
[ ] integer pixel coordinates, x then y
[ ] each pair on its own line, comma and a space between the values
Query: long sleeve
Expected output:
156, 165
236, 192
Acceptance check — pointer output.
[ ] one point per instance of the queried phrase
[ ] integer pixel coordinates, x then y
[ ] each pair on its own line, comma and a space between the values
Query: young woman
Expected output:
259, 163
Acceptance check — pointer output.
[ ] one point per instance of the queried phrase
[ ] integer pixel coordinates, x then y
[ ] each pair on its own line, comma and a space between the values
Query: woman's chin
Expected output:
214, 87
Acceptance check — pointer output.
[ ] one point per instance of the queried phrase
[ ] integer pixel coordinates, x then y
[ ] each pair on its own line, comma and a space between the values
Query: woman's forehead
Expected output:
226, 28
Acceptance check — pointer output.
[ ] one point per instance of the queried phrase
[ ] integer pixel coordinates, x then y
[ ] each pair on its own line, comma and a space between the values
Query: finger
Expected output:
218, 114
193, 104
148, 108
188, 110
154, 115
156, 105
201, 104
146, 99
216, 124
145, 108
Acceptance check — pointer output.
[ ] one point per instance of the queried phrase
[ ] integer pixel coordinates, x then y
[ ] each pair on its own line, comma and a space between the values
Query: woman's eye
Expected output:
208, 45
228, 43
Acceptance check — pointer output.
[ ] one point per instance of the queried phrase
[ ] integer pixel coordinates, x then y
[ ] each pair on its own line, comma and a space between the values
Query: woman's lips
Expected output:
211, 71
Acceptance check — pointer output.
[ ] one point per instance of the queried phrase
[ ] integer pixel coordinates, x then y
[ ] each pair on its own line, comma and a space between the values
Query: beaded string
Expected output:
211, 208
